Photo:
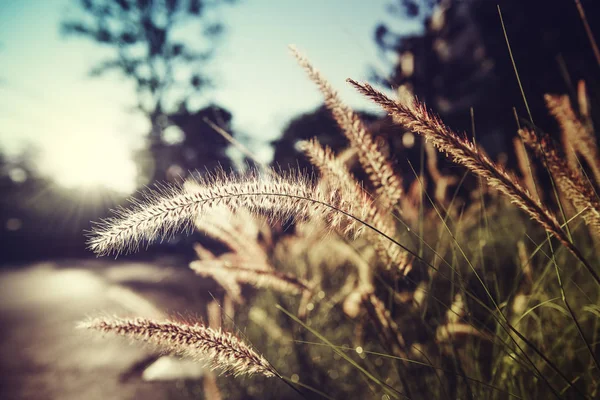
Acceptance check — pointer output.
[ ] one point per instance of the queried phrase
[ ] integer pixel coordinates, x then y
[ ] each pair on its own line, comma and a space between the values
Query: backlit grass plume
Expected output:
219, 349
577, 136
415, 117
571, 183
165, 212
336, 173
388, 184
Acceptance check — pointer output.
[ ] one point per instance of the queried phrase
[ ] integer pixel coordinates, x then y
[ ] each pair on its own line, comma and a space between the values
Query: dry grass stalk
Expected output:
275, 280
442, 182
576, 138
337, 176
571, 183
525, 262
219, 349
411, 202
209, 382
588, 30
348, 156
335, 171
584, 105
210, 387
229, 307
387, 327
521, 298
388, 185
526, 168
278, 197
464, 152
331, 168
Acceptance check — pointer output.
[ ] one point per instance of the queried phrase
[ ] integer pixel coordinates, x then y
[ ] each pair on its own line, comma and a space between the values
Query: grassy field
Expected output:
479, 284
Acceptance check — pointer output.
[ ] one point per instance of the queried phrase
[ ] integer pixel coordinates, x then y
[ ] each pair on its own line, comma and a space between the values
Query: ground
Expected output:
44, 356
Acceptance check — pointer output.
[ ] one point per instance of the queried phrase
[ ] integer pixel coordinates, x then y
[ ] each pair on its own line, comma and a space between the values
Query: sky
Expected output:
48, 100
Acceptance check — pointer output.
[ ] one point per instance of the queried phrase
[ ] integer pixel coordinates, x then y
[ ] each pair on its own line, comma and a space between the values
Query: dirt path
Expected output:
43, 356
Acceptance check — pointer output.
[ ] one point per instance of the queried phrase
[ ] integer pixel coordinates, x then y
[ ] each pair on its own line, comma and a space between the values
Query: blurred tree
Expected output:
203, 147
317, 123
411, 8
461, 60
162, 46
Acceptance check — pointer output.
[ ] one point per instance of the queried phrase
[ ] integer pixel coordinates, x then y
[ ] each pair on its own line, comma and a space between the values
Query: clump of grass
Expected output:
415, 117
571, 183
409, 294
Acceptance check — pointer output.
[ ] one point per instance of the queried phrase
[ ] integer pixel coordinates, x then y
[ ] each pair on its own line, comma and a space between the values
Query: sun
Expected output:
90, 162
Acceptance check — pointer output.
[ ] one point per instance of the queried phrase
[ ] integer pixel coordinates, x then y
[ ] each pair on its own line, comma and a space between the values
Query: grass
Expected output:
383, 288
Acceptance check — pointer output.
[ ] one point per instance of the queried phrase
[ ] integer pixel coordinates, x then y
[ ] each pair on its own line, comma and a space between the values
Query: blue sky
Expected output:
47, 98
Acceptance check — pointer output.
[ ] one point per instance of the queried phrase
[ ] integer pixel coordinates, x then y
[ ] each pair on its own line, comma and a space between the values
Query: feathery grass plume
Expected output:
275, 280
330, 166
216, 226
281, 196
219, 349
388, 185
240, 222
202, 252
337, 175
335, 171
525, 262
571, 183
526, 168
576, 138
416, 117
